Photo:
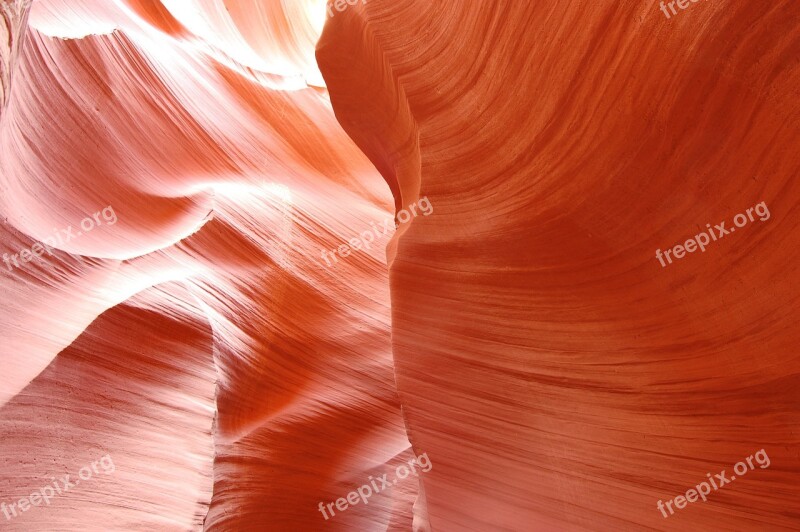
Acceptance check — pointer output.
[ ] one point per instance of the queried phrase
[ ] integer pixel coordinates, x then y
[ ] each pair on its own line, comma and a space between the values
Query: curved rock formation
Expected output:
214, 145
210, 311
558, 376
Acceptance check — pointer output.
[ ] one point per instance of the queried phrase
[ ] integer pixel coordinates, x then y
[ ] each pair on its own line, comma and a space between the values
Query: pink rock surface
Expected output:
223, 337
259, 380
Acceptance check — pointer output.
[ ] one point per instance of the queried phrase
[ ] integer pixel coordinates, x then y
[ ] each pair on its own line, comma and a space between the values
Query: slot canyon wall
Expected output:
260, 254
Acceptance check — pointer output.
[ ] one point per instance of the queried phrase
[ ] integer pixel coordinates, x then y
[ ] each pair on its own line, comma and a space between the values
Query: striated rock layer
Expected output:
228, 351
196, 337
558, 376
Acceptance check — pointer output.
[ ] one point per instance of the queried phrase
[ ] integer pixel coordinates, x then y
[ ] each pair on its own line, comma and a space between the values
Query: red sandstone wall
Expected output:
529, 335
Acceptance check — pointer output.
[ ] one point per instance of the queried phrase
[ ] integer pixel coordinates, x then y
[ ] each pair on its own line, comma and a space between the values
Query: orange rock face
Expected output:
399, 265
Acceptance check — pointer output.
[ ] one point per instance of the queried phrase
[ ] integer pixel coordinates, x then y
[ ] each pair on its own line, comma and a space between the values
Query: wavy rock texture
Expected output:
523, 336
577, 382
256, 381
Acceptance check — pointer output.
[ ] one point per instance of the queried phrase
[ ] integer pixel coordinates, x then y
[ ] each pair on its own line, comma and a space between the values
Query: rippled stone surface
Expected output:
523, 335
